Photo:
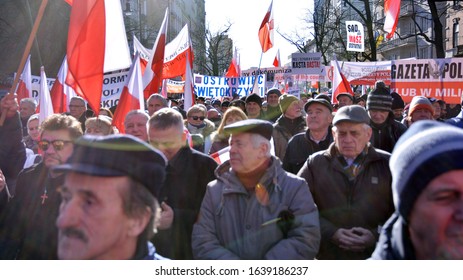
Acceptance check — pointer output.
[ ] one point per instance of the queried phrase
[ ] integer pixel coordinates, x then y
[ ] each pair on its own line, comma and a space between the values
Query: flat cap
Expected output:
118, 155
264, 128
321, 101
345, 94
352, 113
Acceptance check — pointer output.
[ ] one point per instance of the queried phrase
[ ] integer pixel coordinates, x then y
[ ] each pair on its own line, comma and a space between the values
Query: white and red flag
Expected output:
277, 60
144, 53
234, 68
97, 43
45, 105
176, 54
60, 92
131, 96
24, 89
391, 12
340, 82
266, 30
189, 92
153, 72
222, 155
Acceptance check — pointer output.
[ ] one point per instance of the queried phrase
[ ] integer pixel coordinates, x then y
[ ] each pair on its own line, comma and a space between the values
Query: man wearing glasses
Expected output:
196, 123
27, 229
77, 109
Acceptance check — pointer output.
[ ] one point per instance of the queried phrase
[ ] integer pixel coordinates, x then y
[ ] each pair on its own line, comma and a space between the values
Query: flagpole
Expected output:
257, 72
27, 50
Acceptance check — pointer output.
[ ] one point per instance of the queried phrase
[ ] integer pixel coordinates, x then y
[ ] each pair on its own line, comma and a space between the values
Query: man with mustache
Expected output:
109, 209
27, 228
351, 185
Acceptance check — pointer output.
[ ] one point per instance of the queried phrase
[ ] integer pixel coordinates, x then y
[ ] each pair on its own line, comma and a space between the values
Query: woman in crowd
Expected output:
219, 137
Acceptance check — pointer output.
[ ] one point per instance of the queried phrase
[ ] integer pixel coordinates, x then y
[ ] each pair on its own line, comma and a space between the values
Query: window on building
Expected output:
455, 32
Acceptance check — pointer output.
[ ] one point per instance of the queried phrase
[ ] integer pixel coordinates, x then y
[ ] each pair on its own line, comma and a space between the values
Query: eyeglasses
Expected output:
58, 145
196, 118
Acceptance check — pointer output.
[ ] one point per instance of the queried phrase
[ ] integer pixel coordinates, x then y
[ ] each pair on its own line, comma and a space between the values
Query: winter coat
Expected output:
394, 242
385, 136
456, 121
28, 227
233, 224
188, 174
300, 147
364, 202
283, 130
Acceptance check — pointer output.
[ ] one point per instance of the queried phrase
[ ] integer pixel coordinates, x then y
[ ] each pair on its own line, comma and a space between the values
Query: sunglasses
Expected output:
58, 145
196, 118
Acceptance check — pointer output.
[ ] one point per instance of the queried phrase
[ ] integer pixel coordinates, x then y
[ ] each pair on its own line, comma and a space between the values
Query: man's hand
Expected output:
9, 104
355, 239
167, 216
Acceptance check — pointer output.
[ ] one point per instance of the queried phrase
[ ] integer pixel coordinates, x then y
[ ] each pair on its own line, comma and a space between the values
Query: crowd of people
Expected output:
364, 177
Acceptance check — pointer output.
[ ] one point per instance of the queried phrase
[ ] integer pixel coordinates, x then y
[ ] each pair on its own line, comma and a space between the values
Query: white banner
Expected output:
306, 63
355, 36
217, 87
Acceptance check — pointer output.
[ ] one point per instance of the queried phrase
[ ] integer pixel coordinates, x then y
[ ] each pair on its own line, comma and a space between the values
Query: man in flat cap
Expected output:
255, 210
427, 183
345, 99
109, 207
351, 185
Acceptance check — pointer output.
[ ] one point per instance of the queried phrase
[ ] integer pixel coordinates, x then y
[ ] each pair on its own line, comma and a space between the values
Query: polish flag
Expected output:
96, 44
222, 155
153, 73
176, 53
340, 83
266, 30
45, 105
131, 96
189, 93
277, 61
144, 53
392, 12
24, 89
61, 93
164, 88
233, 69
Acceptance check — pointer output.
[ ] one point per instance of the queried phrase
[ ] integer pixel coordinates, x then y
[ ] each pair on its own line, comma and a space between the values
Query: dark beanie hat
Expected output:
397, 101
254, 98
379, 99
425, 151
274, 91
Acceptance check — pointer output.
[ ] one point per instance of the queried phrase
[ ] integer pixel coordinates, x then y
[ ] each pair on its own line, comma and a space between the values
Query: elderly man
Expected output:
351, 185
28, 230
273, 106
386, 130
155, 102
135, 124
254, 107
255, 210
188, 174
108, 207
288, 124
427, 172
420, 109
316, 138
77, 108
344, 99
27, 107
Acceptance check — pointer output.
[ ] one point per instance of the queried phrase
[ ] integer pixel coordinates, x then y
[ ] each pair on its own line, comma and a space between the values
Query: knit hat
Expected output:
285, 100
425, 151
254, 98
274, 91
397, 101
420, 102
379, 99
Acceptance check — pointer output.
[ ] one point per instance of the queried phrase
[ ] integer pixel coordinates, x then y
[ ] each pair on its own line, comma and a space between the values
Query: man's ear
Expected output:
138, 224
